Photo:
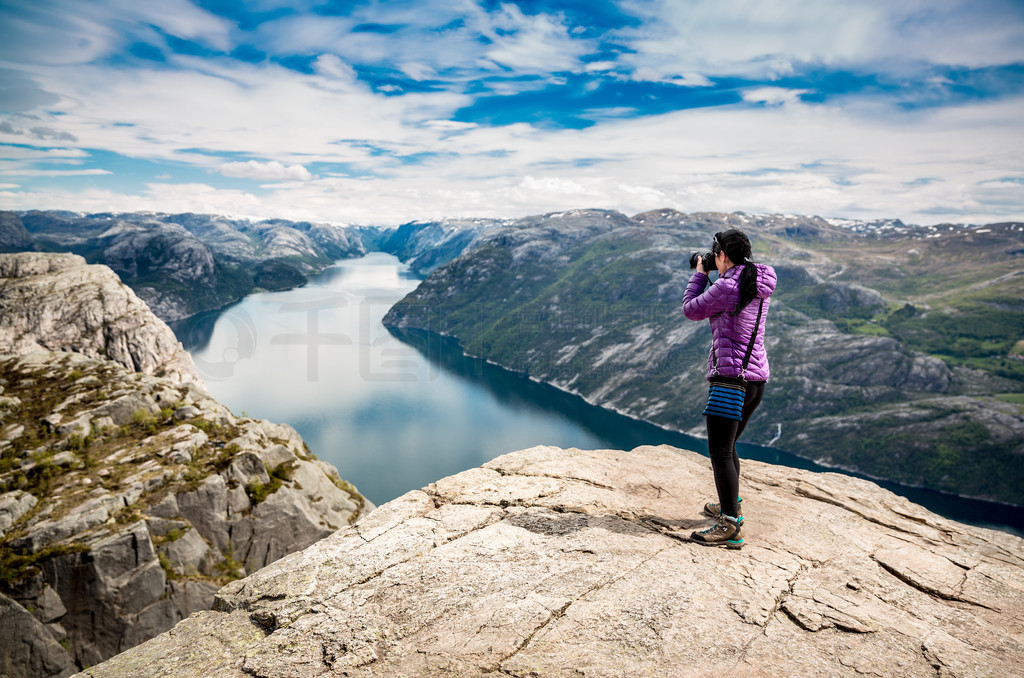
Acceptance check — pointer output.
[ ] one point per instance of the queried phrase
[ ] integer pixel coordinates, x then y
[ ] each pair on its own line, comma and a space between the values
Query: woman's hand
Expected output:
700, 265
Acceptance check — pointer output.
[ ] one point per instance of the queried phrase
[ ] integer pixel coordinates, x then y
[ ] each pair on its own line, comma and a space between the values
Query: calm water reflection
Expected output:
391, 420
396, 415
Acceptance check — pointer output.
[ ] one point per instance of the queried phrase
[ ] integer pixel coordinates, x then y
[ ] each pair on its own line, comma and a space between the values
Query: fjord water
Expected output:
395, 415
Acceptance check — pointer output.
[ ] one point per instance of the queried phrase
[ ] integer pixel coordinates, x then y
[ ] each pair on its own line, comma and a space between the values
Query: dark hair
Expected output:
736, 246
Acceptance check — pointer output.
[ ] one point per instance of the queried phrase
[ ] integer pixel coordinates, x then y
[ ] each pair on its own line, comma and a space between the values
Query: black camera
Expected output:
709, 260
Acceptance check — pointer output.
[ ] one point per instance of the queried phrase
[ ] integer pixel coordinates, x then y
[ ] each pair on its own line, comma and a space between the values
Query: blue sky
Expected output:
383, 112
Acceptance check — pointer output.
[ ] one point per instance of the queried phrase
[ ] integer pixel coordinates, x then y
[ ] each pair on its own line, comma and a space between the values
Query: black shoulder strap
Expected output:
750, 346
753, 337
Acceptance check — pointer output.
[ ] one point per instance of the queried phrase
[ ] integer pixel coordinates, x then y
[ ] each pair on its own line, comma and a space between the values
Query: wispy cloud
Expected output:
56, 172
383, 112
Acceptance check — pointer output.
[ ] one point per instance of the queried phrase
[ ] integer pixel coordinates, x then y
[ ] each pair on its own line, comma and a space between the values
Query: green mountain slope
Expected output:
890, 352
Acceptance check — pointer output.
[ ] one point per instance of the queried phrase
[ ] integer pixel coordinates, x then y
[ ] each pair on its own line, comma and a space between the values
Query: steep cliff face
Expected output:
128, 495
590, 301
426, 245
551, 562
54, 302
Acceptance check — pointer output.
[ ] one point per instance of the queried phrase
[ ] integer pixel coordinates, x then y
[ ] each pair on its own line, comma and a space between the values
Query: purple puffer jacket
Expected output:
731, 334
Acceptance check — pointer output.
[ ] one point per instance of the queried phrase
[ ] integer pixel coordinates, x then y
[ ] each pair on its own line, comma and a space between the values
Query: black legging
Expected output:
722, 436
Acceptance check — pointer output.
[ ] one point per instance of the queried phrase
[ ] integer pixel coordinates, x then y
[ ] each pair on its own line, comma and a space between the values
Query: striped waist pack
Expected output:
725, 397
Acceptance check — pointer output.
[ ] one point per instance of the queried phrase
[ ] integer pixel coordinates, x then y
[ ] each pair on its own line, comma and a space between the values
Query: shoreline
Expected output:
1016, 527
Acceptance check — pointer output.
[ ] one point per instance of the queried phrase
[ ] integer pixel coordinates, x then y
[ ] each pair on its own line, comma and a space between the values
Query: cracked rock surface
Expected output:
550, 562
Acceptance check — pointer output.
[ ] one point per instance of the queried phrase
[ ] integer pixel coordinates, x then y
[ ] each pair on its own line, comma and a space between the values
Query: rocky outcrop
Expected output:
127, 500
551, 562
55, 302
128, 495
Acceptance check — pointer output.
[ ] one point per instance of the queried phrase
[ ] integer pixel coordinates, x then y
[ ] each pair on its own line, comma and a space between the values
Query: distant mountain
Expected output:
892, 348
425, 245
181, 264
13, 236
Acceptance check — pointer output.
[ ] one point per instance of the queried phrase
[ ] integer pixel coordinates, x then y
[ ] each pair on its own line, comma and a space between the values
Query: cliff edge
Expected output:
550, 562
128, 494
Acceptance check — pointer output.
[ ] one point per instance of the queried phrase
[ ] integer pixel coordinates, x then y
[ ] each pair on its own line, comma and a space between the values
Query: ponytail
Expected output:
736, 246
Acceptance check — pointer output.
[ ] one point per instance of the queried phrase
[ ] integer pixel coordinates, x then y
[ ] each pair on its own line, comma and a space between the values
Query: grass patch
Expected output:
258, 492
349, 489
167, 566
15, 565
229, 568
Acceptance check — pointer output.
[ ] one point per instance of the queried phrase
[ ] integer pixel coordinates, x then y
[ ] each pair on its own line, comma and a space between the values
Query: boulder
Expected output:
189, 554
49, 607
14, 505
549, 562
206, 508
33, 651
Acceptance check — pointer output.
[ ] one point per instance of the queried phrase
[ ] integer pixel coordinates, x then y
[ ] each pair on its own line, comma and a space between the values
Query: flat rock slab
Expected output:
549, 562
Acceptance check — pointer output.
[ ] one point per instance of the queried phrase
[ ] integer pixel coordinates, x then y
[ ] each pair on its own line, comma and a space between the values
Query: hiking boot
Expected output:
726, 532
713, 510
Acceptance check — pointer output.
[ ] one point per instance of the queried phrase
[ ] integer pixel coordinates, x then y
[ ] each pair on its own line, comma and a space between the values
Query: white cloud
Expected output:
61, 32
231, 107
26, 153
773, 96
418, 70
450, 125
552, 185
265, 171
765, 38
332, 66
180, 18
532, 43
54, 172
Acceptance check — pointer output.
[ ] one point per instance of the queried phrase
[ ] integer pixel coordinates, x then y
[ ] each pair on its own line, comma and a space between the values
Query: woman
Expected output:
737, 306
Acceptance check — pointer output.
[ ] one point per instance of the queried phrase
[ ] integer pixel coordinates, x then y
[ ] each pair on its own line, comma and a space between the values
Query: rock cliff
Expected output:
54, 302
128, 495
550, 562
